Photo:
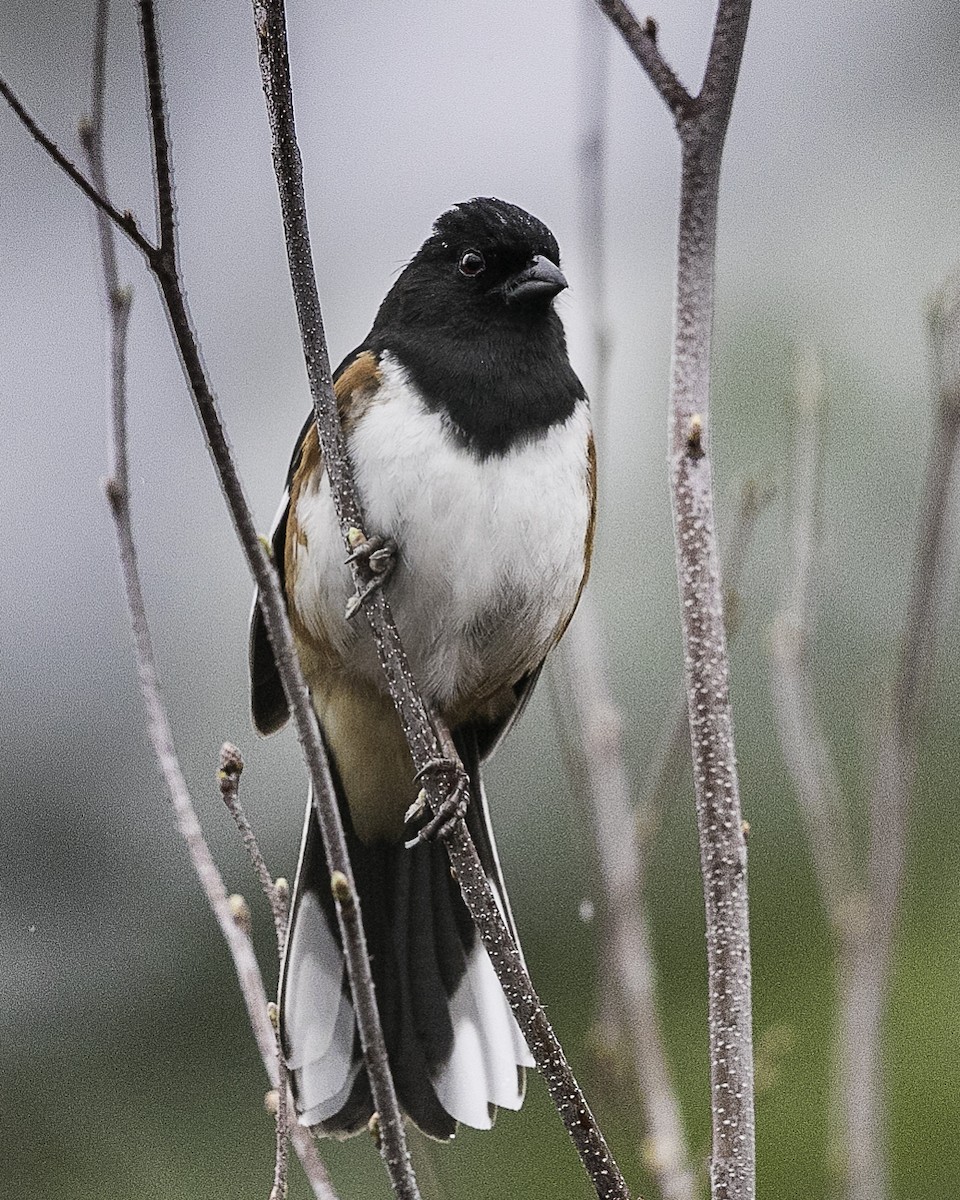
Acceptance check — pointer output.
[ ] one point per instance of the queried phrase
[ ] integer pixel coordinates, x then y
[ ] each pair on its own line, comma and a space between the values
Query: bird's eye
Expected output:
472, 263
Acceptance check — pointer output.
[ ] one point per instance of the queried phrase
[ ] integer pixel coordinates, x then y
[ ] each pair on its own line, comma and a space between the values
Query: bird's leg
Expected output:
380, 556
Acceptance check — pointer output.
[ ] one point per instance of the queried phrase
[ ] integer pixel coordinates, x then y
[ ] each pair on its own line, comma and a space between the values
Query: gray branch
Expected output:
702, 125
429, 744
158, 725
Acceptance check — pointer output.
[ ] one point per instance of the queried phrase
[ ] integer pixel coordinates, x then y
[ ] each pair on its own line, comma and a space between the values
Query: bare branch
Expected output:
276, 891
702, 127
642, 40
622, 860
897, 749
393, 1142
805, 744
229, 770
124, 221
421, 733
158, 726
159, 133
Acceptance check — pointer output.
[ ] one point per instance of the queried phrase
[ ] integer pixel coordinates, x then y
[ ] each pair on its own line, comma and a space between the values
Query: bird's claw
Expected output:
380, 556
451, 809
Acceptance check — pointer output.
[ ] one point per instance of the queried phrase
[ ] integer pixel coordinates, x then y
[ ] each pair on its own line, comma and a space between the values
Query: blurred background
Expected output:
127, 1066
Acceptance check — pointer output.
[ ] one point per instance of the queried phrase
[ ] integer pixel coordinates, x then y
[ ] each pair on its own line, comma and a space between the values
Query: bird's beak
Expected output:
541, 280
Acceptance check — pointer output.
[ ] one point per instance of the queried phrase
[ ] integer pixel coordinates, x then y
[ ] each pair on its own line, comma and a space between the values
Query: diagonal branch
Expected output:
426, 747
124, 221
702, 127
393, 1139
642, 41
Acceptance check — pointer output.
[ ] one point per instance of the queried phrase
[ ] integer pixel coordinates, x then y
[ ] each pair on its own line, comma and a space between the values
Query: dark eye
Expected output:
472, 263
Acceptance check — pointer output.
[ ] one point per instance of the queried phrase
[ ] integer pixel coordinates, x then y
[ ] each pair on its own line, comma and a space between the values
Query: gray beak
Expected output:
541, 280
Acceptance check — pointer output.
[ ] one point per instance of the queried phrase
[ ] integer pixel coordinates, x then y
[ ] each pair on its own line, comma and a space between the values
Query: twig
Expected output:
622, 867
158, 725
229, 770
426, 746
642, 40
869, 970
702, 124
805, 744
276, 890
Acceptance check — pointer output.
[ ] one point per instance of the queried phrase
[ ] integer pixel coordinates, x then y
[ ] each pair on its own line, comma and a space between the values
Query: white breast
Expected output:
492, 551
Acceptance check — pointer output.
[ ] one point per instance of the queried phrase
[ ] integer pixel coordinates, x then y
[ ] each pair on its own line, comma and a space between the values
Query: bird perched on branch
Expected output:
470, 439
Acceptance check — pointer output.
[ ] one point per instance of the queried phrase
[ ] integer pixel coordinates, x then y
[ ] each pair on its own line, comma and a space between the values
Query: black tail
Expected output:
455, 1050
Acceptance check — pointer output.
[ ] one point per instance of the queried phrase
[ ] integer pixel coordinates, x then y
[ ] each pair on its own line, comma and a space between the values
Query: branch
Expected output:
642, 41
896, 766
278, 895
805, 745
393, 1144
622, 861
158, 725
426, 747
702, 126
124, 221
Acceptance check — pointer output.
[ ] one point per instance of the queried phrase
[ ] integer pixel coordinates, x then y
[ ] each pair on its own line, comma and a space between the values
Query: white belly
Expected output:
491, 552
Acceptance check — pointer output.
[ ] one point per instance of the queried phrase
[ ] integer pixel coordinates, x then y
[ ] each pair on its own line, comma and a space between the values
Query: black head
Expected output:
472, 319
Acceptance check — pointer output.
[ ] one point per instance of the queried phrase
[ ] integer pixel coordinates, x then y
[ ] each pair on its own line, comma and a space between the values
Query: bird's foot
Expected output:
451, 809
380, 556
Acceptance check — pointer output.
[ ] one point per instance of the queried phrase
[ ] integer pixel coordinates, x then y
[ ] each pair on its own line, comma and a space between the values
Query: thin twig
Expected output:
276, 890
870, 968
702, 126
124, 221
158, 725
805, 744
229, 770
421, 733
641, 37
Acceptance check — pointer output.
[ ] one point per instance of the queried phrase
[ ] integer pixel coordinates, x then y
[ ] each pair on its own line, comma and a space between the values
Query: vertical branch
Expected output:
702, 125
622, 859
278, 896
865, 918
804, 742
870, 966
807, 753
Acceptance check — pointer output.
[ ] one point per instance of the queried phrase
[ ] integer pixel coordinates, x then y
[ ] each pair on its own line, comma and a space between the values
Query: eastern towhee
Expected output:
470, 439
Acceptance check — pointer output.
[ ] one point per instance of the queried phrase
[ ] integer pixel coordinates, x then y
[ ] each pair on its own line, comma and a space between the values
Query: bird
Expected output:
470, 438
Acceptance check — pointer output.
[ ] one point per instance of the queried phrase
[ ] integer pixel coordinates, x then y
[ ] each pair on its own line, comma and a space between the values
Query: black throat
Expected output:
498, 382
